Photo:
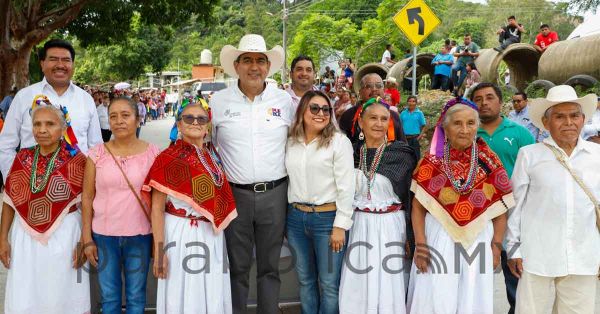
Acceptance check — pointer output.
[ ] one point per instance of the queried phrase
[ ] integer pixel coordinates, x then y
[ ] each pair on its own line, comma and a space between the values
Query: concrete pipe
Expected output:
378, 68
400, 69
521, 59
565, 59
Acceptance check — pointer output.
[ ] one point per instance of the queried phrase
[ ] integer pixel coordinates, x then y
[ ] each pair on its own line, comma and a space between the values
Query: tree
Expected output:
474, 26
319, 36
24, 24
584, 5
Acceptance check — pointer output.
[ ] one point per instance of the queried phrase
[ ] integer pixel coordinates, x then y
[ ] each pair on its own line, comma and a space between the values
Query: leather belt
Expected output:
310, 208
170, 209
389, 209
260, 187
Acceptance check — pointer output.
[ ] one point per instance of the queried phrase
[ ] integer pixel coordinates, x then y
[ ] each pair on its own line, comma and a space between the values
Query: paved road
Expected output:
157, 132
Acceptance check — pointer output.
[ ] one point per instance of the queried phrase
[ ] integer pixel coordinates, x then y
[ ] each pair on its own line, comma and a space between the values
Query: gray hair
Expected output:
548, 111
458, 108
364, 79
58, 112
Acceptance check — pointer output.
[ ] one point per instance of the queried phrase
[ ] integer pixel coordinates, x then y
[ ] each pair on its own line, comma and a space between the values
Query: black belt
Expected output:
408, 137
260, 187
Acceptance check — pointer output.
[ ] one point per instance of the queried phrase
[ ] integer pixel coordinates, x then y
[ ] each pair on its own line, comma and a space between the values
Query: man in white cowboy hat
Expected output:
250, 123
553, 236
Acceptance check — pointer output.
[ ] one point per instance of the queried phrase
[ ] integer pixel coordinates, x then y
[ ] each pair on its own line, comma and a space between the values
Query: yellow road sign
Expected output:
417, 21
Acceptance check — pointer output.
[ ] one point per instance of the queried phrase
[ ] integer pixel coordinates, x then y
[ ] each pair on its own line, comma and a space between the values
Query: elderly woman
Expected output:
320, 167
116, 225
192, 203
372, 280
462, 193
44, 189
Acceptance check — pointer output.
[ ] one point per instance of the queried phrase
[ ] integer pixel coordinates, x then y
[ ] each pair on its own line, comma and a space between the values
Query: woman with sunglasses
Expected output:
192, 203
372, 277
116, 226
320, 167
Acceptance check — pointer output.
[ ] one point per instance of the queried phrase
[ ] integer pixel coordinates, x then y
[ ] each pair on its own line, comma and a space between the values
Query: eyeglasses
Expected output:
374, 86
189, 119
314, 109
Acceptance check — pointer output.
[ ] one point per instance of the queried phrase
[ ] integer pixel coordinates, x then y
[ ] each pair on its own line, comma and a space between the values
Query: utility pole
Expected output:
284, 69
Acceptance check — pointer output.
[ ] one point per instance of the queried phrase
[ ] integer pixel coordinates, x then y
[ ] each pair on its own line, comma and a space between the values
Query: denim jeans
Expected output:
440, 82
510, 281
129, 255
456, 79
308, 236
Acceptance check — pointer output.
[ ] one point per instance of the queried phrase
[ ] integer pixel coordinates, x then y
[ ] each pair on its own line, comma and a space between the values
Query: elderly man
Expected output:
250, 127
56, 60
505, 138
303, 78
553, 232
371, 86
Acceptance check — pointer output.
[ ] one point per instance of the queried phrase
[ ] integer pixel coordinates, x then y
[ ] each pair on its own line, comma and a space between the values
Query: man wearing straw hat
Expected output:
250, 126
553, 231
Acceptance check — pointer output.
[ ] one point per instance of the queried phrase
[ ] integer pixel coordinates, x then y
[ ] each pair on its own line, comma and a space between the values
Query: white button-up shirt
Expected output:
295, 98
17, 127
102, 110
592, 128
554, 221
322, 175
251, 135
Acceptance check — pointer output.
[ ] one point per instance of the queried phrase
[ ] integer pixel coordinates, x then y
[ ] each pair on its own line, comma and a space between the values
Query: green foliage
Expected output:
584, 5
108, 21
475, 26
319, 36
146, 48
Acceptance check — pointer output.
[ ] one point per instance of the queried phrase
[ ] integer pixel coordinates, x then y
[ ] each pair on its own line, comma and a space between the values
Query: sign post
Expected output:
417, 21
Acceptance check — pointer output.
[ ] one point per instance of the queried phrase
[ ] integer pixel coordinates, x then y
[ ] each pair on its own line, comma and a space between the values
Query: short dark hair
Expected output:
467, 35
522, 94
388, 46
302, 58
486, 85
512, 17
544, 26
56, 43
411, 97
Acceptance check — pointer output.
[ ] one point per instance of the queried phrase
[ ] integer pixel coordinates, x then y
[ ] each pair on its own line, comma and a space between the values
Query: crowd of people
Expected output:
373, 227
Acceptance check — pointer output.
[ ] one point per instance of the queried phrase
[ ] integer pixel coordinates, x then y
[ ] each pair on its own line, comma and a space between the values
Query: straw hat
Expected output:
251, 43
558, 95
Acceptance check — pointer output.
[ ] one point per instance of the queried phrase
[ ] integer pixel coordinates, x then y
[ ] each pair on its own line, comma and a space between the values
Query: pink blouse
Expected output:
117, 212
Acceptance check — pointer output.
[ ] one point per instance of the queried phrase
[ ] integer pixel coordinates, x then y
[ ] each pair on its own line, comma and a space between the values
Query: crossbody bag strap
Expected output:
588, 192
129, 184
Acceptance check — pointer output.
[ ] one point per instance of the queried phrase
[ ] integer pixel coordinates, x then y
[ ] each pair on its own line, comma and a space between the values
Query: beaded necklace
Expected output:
362, 165
473, 168
33, 179
216, 174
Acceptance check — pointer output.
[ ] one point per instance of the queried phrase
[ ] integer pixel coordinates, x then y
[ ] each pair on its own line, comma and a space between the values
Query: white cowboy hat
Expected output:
251, 43
558, 95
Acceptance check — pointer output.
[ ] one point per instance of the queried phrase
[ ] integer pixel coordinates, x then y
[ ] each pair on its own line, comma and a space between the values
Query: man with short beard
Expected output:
57, 59
505, 138
303, 78
371, 86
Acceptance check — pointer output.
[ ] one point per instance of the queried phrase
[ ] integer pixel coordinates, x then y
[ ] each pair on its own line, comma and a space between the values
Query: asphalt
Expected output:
157, 132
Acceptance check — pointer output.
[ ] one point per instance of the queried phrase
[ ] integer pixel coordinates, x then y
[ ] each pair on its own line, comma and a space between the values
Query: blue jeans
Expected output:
128, 255
308, 236
456, 79
440, 81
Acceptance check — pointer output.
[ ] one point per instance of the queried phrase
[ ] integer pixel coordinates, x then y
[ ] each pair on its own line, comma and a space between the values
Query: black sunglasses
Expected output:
314, 109
189, 119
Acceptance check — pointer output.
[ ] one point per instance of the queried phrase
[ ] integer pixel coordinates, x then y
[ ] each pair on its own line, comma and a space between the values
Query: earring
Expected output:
361, 136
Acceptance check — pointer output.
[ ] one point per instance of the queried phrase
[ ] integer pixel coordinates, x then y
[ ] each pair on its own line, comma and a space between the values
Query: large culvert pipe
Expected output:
568, 58
521, 59
378, 68
399, 70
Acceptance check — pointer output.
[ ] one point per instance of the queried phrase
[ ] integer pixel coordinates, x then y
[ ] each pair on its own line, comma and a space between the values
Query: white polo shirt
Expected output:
251, 135
17, 128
